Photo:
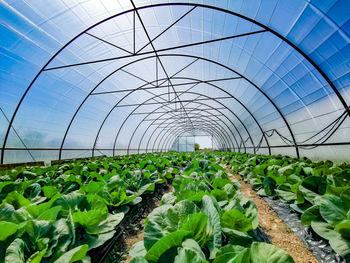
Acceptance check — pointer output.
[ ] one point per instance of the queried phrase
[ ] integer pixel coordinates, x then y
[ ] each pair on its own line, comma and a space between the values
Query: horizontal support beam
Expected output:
74, 149
107, 149
159, 50
190, 113
305, 145
172, 102
165, 86
195, 135
177, 111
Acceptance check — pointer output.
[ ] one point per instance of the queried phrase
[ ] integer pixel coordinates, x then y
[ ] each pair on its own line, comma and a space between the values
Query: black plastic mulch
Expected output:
317, 246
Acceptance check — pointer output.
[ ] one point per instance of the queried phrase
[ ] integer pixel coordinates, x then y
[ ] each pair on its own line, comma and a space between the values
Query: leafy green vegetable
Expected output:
7, 229
165, 243
235, 219
267, 253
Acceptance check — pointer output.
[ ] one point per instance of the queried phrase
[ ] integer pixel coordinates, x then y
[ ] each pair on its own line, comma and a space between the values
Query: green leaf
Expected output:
251, 212
221, 182
100, 240
168, 198
311, 214
197, 224
146, 188
7, 229
138, 250
232, 254
69, 201
161, 246
332, 209
139, 260
269, 185
234, 219
220, 195
344, 228
110, 224
3, 184
309, 195
190, 252
15, 251
339, 244
94, 187
158, 225
267, 253
36, 257
17, 200
73, 255
49, 191
316, 184
324, 230
90, 219
50, 214
32, 191
211, 208
286, 195
166, 219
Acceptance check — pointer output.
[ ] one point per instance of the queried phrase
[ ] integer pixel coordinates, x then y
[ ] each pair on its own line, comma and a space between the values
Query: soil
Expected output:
131, 229
281, 235
134, 233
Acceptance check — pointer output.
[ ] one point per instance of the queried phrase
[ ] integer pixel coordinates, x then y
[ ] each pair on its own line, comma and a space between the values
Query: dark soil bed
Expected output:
116, 250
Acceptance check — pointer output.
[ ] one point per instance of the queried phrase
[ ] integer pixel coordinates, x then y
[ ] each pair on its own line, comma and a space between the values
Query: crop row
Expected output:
318, 191
205, 219
59, 213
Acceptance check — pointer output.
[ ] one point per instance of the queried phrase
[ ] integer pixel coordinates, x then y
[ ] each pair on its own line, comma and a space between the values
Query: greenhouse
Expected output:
175, 131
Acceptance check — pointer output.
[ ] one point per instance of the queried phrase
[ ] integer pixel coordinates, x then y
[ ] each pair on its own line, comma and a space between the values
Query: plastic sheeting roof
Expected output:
90, 77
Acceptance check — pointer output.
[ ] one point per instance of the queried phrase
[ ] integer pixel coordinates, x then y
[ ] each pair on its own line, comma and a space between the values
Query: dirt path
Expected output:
280, 233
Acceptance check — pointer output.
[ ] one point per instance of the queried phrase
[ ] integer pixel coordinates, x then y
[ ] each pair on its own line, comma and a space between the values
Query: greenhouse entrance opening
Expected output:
190, 142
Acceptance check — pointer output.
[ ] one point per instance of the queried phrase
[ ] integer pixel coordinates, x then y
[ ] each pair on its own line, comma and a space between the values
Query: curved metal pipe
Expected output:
189, 112
201, 104
196, 103
130, 114
202, 118
314, 64
224, 135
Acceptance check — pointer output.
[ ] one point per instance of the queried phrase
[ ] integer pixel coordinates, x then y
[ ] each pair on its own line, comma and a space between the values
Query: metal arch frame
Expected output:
235, 72
195, 93
131, 113
170, 135
173, 129
201, 104
140, 88
130, 92
233, 97
299, 50
207, 60
198, 125
151, 83
190, 111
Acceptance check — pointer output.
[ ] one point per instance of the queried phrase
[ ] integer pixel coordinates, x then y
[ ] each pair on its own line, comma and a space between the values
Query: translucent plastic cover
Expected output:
86, 78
